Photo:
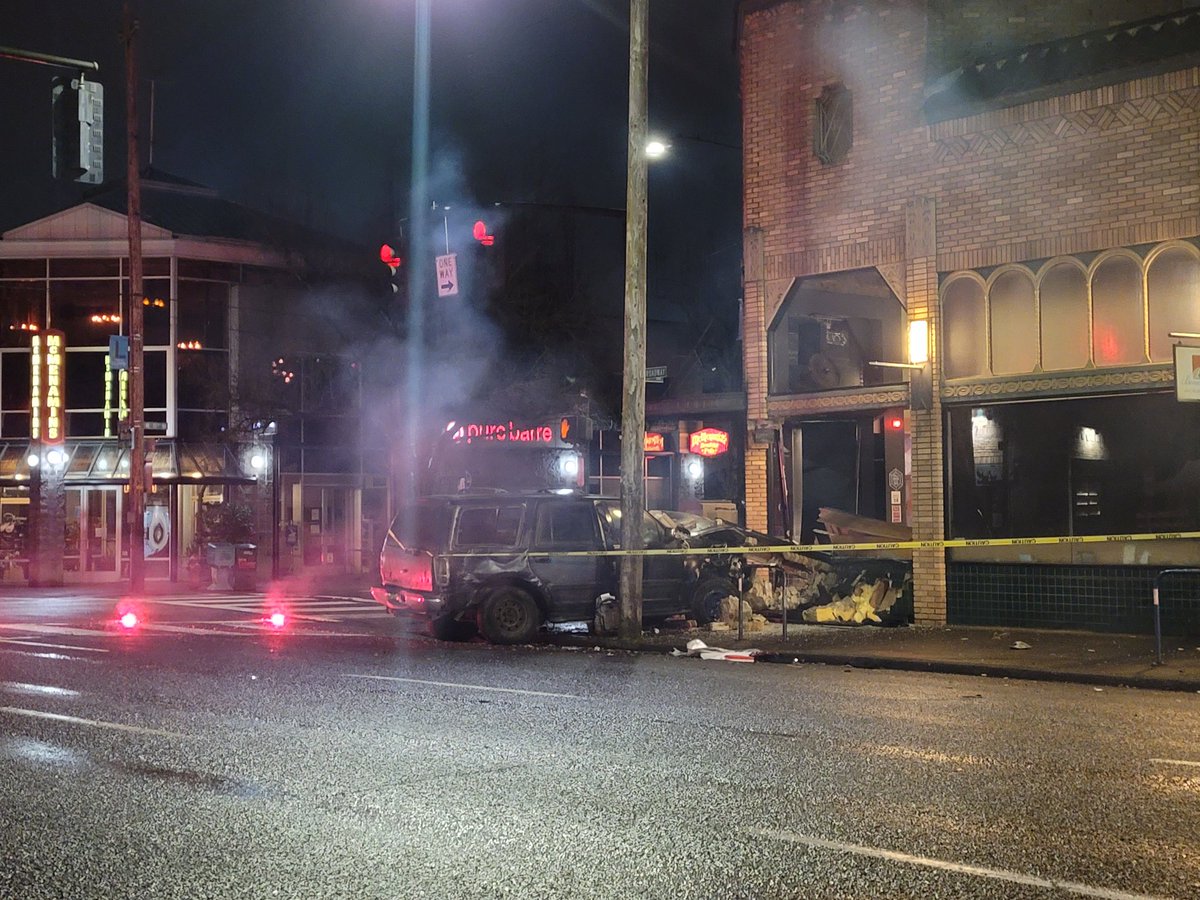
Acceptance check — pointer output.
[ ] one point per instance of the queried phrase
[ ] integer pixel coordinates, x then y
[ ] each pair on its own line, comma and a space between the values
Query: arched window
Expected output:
1117, 334
1173, 295
1014, 323
965, 329
1064, 317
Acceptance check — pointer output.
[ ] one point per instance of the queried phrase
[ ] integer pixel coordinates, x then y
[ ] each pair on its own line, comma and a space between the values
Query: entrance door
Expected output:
93, 532
829, 459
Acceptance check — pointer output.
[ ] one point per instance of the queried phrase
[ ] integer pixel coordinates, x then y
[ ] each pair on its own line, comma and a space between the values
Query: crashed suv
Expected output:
508, 563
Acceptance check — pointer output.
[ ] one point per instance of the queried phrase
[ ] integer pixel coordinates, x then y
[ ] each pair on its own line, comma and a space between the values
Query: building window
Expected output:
829, 327
1014, 323
833, 129
965, 321
1062, 292
1173, 298
1118, 337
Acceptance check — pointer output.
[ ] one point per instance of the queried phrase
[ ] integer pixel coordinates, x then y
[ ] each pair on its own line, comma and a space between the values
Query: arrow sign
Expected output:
447, 275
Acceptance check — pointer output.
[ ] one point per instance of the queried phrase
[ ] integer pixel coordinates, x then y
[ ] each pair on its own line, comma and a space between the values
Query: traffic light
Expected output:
575, 429
77, 111
480, 233
395, 263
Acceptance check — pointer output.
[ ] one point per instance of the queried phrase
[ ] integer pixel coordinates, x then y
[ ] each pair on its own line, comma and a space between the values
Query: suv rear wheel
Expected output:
707, 597
509, 615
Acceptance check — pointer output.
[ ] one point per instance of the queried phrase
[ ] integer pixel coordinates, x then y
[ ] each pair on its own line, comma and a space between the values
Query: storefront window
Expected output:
1064, 317
1117, 312
204, 313
830, 327
1173, 295
965, 328
1114, 465
1014, 323
22, 309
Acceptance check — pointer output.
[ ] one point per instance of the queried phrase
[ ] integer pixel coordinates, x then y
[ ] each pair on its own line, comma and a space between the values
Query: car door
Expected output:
662, 574
565, 533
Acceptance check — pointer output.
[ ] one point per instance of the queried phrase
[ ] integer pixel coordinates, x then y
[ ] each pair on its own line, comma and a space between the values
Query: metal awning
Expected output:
107, 462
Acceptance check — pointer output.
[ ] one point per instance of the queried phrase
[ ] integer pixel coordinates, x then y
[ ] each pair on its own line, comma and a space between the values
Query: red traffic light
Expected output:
480, 233
389, 256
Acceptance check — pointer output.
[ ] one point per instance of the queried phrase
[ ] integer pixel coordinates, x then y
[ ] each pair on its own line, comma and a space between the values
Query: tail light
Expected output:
441, 571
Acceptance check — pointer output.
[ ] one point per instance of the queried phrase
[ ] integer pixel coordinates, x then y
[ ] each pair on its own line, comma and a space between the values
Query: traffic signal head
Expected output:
77, 111
480, 233
394, 262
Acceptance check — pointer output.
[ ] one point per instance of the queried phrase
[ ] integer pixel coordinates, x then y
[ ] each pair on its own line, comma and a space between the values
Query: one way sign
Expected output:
447, 275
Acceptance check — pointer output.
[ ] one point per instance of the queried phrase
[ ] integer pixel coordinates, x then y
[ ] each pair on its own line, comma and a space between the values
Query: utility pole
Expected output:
633, 407
133, 207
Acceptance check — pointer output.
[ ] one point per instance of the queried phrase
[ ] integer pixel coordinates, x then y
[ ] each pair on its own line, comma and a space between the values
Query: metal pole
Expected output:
1157, 626
137, 499
46, 59
633, 409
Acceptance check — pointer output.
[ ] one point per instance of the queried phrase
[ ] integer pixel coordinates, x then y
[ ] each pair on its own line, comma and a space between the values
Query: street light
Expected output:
657, 149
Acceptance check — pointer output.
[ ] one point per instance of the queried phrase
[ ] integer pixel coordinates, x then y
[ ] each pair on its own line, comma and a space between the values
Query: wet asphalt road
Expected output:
371, 764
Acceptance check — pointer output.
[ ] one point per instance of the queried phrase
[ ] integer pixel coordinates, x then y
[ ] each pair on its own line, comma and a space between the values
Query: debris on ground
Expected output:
751, 621
697, 648
864, 604
1020, 645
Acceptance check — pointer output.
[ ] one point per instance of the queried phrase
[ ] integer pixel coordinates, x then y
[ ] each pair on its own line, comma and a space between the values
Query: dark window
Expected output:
159, 265
203, 379
14, 380
85, 425
209, 271
155, 381
86, 312
202, 427
85, 380
14, 425
156, 312
204, 313
488, 526
22, 268
85, 268
22, 306
833, 131
566, 525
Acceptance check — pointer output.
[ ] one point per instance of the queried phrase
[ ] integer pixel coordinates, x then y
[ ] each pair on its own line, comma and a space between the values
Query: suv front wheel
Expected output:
509, 615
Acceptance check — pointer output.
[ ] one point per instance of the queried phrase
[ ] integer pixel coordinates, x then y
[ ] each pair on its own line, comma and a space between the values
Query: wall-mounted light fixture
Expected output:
920, 388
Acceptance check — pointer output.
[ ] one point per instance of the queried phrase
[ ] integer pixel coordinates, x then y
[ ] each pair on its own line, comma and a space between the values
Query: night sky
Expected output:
302, 108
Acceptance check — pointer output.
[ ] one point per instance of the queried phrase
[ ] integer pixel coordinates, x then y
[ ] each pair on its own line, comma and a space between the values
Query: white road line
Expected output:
55, 629
959, 868
26, 643
1177, 762
470, 687
49, 690
95, 723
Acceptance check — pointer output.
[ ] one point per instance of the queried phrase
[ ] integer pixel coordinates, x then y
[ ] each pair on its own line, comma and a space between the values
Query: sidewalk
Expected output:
1074, 656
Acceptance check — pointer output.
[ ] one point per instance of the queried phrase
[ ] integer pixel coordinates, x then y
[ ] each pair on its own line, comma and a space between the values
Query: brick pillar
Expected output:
925, 426
754, 366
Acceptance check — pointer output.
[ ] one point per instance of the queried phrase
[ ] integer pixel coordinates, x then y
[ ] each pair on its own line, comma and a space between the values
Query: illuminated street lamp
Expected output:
657, 149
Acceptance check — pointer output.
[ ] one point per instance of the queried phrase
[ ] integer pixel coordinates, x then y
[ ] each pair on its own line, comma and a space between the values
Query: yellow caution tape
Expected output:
755, 549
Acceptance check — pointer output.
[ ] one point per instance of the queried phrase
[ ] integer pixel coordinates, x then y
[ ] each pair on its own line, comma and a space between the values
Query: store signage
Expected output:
1187, 373
654, 442
504, 431
708, 442
47, 369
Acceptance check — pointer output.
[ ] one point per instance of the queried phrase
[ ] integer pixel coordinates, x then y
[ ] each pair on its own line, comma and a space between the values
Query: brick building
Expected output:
1025, 180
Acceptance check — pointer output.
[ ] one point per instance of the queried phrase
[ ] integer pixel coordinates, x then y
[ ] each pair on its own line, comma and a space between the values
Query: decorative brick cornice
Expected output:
1131, 103
1071, 383
844, 400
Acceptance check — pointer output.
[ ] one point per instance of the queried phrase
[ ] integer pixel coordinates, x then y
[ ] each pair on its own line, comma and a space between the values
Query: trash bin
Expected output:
245, 566
220, 558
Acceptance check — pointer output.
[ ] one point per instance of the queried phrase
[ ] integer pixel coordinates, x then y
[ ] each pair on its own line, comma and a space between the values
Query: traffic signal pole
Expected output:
137, 449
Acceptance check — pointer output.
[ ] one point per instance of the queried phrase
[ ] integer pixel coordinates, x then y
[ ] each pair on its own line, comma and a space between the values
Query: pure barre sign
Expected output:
506, 432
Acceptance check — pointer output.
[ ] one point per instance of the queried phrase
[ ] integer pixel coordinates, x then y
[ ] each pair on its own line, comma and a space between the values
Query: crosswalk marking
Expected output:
322, 609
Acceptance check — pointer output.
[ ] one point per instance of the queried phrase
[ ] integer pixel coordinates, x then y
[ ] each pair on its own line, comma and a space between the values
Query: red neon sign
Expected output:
653, 442
503, 431
708, 442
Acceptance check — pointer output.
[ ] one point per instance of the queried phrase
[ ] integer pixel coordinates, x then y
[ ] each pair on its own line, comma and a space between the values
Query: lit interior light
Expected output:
33, 460
56, 457
694, 468
102, 464
257, 461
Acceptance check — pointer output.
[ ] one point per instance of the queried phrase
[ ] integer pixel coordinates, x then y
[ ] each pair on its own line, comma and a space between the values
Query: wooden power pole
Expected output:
137, 395
633, 402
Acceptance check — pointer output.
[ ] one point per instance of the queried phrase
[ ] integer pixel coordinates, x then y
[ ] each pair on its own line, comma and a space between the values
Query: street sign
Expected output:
447, 275
656, 374
154, 426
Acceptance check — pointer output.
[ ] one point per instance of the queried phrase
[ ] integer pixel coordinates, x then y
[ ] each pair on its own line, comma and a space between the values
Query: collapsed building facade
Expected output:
1022, 183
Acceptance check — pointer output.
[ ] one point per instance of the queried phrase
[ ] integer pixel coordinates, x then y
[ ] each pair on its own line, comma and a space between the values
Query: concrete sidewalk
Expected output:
1082, 657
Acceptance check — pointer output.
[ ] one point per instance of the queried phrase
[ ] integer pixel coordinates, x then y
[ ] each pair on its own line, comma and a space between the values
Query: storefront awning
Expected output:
107, 462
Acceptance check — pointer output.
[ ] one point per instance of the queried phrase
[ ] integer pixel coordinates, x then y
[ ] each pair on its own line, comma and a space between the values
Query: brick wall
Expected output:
1090, 170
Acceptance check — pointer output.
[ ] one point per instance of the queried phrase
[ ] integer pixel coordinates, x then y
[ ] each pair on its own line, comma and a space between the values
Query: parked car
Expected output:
507, 563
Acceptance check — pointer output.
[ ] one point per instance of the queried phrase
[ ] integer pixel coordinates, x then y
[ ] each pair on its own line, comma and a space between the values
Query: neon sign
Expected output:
508, 432
708, 442
653, 442
46, 388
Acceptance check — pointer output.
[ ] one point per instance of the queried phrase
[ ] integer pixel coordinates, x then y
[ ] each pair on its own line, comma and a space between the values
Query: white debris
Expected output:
697, 647
1021, 645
